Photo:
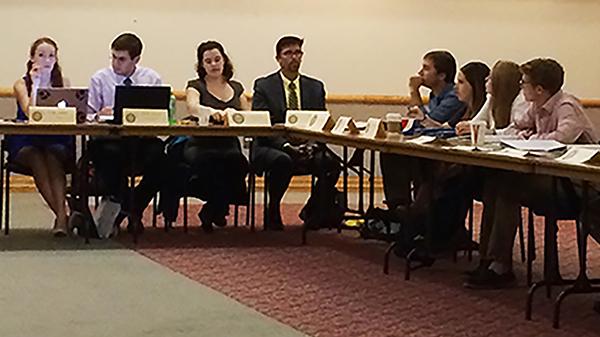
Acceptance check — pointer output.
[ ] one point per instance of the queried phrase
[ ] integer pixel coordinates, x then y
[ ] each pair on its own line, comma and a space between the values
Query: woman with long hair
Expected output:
45, 156
217, 162
505, 102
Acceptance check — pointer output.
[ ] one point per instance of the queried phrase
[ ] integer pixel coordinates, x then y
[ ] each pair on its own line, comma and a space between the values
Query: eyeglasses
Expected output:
523, 82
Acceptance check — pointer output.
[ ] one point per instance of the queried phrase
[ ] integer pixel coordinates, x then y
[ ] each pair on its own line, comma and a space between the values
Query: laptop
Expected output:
139, 97
65, 97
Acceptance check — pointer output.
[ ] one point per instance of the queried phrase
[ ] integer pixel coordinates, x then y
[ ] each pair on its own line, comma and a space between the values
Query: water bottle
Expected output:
172, 110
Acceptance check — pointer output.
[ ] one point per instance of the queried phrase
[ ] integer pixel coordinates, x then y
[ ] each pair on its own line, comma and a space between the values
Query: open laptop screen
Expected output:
140, 97
68, 97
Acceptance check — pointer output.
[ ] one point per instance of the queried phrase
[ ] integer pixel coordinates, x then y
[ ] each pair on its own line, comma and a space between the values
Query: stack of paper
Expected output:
578, 155
541, 145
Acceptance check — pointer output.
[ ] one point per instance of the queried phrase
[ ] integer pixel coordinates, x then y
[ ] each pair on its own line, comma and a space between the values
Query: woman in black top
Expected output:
216, 162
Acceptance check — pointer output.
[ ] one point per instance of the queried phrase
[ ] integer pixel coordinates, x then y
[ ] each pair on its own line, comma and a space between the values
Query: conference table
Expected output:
397, 144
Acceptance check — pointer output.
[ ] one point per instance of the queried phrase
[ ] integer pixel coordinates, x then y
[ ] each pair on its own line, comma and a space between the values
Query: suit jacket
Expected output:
269, 95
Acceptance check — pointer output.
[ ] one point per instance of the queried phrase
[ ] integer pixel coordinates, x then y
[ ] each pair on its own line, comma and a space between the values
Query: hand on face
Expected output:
35, 73
415, 82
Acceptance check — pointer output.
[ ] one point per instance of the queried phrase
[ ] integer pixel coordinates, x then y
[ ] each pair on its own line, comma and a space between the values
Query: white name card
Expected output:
374, 129
344, 125
248, 119
52, 115
309, 120
145, 117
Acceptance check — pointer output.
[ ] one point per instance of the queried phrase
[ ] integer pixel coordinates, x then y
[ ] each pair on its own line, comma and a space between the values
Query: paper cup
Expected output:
393, 122
478, 130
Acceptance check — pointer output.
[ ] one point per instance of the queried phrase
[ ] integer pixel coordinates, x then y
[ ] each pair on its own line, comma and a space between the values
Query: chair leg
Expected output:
530, 246
7, 203
235, 215
470, 232
521, 238
252, 213
1, 181
185, 213
154, 210
265, 201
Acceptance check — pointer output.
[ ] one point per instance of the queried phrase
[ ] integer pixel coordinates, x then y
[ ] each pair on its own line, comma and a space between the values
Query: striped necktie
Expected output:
292, 97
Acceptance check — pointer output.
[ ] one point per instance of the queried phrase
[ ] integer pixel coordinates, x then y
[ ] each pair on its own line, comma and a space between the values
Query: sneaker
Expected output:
489, 279
105, 217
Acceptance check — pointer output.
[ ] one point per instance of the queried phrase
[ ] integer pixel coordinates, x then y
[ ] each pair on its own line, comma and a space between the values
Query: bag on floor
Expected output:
324, 209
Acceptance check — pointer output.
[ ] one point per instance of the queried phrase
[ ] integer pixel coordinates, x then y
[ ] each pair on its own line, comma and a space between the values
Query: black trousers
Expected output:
212, 169
112, 160
280, 167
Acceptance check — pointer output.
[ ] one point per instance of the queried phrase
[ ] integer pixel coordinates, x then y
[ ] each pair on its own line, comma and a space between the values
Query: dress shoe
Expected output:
597, 306
483, 265
206, 219
420, 255
489, 279
133, 225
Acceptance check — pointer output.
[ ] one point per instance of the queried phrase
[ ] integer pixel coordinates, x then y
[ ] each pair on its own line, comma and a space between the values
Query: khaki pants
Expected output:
503, 195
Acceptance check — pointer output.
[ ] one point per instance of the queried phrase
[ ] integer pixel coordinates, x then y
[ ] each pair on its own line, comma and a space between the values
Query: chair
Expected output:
7, 168
183, 169
551, 272
410, 267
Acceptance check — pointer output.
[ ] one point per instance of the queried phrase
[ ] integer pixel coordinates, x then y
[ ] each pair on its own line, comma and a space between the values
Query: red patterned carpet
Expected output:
334, 286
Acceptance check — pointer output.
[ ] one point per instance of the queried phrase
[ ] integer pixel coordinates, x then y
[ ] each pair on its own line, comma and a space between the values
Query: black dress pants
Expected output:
212, 169
280, 167
112, 160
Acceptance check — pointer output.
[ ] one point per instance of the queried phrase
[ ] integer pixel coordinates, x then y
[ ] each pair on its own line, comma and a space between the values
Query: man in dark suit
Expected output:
278, 157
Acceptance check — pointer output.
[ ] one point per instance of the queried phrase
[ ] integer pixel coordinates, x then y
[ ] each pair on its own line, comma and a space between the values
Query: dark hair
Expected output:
56, 78
476, 73
505, 88
128, 42
444, 63
210, 45
546, 73
287, 41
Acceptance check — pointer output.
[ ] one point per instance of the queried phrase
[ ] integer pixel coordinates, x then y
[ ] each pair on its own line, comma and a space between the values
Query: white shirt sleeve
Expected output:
485, 114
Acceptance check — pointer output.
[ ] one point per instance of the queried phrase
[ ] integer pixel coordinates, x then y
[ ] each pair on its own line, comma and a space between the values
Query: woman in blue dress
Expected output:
45, 156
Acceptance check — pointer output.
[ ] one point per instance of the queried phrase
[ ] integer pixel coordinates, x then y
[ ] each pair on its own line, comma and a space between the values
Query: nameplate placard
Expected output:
374, 129
248, 119
344, 125
145, 117
308, 120
52, 115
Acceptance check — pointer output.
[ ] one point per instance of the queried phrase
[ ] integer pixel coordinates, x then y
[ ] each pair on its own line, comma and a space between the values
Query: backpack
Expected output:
324, 209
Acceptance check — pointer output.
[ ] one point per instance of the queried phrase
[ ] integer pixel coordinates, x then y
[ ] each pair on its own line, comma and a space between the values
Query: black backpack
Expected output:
324, 209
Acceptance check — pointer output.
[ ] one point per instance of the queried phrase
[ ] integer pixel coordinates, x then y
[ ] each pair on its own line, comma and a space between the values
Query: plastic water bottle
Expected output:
172, 110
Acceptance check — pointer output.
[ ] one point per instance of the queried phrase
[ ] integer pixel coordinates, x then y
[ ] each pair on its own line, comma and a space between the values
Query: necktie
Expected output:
127, 82
293, 97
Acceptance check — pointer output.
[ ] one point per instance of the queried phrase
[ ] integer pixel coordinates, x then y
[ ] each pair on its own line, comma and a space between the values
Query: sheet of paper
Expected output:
534, 145
510, 153
421, 140
498, 138
576, 155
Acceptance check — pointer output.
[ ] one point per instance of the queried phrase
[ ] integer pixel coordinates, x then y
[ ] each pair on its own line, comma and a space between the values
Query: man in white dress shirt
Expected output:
112, 156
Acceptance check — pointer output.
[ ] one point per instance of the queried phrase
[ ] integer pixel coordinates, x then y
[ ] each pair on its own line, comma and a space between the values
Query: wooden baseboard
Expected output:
20, 183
